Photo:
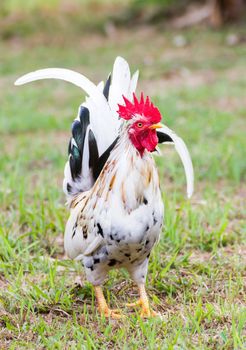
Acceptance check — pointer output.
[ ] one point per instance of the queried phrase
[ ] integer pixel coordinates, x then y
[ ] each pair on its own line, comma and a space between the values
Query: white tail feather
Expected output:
133, 84
103, 123
184, 156
121, 79
100, 86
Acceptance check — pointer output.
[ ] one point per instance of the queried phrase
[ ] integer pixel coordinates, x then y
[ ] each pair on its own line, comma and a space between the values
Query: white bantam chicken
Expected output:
111, 181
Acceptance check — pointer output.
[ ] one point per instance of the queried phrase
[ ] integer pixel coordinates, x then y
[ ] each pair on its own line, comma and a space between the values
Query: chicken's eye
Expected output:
139, 125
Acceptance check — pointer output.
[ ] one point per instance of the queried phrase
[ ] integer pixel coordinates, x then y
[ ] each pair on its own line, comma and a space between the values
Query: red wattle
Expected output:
150, 142
146, 140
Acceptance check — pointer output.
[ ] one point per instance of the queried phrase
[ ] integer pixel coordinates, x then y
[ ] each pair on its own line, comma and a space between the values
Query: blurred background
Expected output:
192, 60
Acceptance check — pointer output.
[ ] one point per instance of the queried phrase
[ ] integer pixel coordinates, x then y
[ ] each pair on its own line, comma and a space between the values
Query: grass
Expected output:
197, 272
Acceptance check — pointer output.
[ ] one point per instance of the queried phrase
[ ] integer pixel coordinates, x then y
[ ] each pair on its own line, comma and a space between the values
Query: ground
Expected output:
197, 273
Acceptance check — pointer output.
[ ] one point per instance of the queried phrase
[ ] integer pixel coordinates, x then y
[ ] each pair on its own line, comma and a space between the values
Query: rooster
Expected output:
110, 179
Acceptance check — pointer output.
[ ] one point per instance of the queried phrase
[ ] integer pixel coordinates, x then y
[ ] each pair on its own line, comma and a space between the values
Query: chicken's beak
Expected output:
165, 134
156, 126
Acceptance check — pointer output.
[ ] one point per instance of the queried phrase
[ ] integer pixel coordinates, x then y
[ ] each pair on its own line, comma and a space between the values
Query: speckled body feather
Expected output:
118, 221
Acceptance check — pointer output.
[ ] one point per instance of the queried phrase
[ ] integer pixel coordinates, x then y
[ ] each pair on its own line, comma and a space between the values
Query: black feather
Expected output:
79, 128
78, 135
107, 86
69, 188
103, 158
84, 115
162, 137
93, 152
75, 162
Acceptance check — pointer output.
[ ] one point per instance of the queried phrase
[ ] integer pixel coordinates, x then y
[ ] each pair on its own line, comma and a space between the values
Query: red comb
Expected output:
141, 107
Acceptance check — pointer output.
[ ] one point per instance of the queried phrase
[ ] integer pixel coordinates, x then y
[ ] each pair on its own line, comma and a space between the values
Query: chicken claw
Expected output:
103, 306
143, 302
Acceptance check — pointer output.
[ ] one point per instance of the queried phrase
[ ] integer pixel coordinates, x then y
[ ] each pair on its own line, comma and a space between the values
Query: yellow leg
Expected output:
143, 302
103, 306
